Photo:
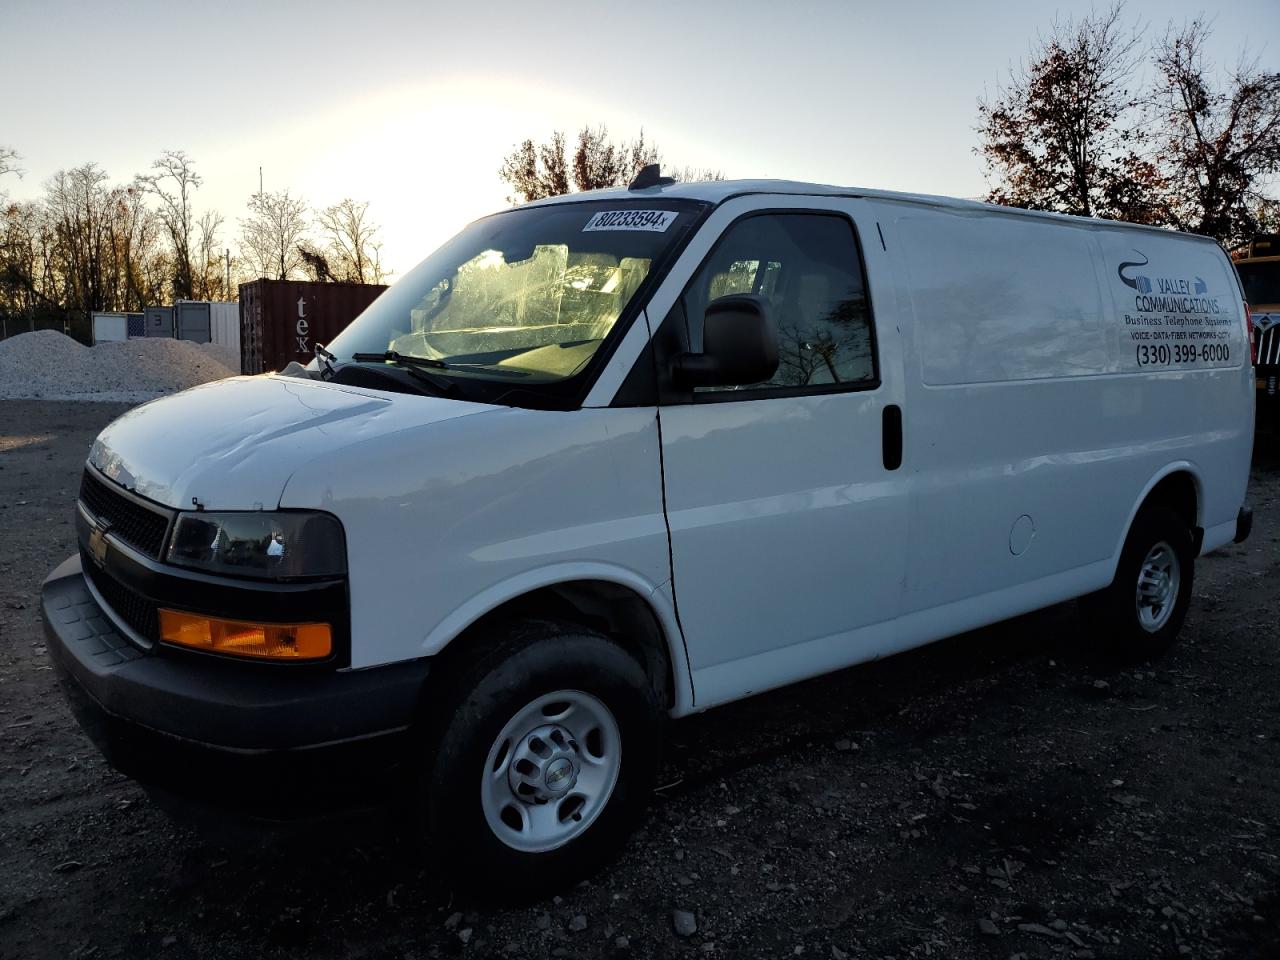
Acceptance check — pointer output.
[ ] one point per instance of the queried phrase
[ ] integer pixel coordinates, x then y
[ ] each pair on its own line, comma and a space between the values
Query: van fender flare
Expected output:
657, 600
1177, 466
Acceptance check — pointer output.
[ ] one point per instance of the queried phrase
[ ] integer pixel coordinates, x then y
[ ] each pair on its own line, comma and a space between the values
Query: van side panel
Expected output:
1180, 330
1029, 437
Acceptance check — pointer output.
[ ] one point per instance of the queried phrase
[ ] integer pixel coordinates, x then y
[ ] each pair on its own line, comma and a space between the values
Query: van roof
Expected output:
717, 191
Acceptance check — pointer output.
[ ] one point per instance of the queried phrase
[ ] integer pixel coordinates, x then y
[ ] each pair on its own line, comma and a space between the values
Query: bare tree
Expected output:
353, 252
554, 165
85, 245
79, 206
1218, 144
270, 235
27, 268
536, 171
208, 267
17, 235
172, 183
1063, 134
693, 174
637, 154
520, 172
597, 162
9, 164
133, 236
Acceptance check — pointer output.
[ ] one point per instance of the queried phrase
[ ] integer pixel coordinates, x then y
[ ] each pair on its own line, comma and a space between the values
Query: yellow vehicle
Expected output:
1259, 266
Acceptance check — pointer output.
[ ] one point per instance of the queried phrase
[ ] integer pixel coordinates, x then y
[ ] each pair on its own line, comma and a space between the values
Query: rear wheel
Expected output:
1139, 616
545, 755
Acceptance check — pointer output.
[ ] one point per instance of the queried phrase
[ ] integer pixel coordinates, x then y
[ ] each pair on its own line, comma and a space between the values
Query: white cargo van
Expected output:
611, 458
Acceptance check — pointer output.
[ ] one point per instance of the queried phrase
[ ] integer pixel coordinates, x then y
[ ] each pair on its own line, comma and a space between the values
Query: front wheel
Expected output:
546, 753
551, 771
1139, 616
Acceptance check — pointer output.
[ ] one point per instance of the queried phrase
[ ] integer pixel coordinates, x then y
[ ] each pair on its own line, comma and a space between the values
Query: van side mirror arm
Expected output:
689, 370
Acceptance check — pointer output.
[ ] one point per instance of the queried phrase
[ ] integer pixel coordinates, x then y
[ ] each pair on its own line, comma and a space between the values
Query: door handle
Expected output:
892, 420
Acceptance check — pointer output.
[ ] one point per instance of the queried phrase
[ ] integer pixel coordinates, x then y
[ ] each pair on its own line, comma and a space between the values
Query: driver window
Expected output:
807, 269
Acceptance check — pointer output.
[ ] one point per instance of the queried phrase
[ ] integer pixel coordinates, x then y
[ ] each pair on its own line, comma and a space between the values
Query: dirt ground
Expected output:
988, 797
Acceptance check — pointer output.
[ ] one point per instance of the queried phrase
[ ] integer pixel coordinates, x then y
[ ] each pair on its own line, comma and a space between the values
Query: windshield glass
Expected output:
1261, 282
525, 296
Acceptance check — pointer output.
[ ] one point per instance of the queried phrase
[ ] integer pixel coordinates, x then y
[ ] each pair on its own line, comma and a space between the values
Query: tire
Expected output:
1130, 624
558, 801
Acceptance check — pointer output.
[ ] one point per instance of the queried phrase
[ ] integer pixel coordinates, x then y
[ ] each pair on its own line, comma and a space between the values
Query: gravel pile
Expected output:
47, 365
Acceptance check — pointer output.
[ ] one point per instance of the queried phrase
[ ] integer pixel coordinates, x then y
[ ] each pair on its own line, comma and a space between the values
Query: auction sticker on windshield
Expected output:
1175, 319
655, 221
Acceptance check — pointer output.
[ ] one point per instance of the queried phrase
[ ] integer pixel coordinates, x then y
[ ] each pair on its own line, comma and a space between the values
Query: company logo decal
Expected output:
1176, 321
1140, 283
1170, 294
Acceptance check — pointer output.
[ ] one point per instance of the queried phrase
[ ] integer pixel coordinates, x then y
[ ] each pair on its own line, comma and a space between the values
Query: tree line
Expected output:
1104, 120
534, 171
1101, 120
86, 244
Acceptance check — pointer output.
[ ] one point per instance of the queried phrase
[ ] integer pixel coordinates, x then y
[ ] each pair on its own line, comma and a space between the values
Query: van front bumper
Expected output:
262, 740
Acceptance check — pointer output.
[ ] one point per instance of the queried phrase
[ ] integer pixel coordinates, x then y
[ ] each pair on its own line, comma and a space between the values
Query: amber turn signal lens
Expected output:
268, 641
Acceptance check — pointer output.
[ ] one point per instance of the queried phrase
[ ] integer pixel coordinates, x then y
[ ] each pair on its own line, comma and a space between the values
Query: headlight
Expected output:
274, 546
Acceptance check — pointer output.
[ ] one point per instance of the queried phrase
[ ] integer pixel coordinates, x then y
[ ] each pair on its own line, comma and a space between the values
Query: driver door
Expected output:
787, 522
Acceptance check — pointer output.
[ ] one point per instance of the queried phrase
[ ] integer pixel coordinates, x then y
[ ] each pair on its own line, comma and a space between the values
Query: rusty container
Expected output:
283, 320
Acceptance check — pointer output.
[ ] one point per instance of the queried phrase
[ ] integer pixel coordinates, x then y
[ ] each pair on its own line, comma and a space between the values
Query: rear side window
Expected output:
807, 268
1003, 298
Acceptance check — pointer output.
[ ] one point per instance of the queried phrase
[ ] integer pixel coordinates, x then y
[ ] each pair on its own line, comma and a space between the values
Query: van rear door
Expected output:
787, 526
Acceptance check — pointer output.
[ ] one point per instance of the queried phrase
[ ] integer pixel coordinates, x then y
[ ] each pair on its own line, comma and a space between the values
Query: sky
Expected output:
412, 106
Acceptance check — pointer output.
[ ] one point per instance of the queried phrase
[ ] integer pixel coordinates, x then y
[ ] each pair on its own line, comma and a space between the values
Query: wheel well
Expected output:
1178, 492
609, 608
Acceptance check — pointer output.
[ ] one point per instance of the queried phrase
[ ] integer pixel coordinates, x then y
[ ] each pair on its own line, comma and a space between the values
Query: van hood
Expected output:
233, 444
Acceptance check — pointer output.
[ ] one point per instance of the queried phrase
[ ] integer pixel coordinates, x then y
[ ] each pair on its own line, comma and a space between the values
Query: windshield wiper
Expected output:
407, 359
412, 366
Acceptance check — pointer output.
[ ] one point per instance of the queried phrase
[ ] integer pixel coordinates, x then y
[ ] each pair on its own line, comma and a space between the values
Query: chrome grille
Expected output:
141, 527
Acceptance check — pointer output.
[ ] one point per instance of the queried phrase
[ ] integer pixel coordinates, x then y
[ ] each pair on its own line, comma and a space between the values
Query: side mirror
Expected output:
739, 346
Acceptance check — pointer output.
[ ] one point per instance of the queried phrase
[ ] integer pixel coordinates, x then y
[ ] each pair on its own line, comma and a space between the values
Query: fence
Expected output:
74, 323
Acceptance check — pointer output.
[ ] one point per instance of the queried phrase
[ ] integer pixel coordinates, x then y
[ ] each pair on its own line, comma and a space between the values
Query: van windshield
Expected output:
523, 297
1261, 282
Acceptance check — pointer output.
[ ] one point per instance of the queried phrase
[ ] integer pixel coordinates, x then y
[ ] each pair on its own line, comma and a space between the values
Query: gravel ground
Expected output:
51, 366
991, 796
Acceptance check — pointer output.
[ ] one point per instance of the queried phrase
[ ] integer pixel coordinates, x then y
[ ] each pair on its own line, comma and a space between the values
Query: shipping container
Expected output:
109, 327
158, 321
283, 320
224, 325
191, 320
209, 321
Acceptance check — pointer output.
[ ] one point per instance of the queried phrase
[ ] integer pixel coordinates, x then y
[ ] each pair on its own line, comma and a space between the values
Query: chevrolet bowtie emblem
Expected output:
98, 544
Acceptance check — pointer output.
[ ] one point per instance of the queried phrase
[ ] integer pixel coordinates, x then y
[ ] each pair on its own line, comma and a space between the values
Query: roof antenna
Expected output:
650, 176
